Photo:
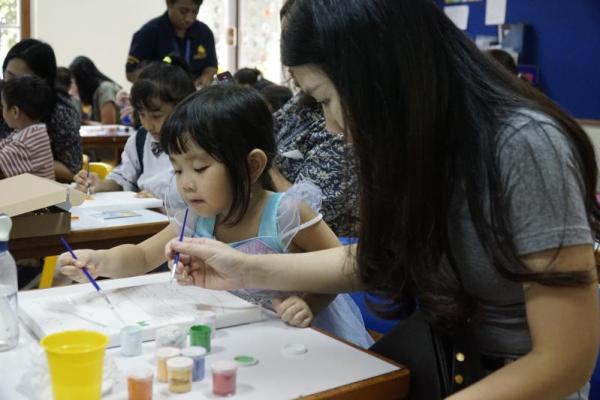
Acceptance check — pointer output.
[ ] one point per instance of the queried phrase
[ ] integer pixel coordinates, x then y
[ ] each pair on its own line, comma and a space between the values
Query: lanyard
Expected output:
188, 50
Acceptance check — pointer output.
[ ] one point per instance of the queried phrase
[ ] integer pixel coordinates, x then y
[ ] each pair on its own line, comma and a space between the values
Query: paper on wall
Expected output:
495, 12
459, 15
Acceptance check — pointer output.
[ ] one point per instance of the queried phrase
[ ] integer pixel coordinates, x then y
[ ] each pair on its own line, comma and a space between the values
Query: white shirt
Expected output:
158, 177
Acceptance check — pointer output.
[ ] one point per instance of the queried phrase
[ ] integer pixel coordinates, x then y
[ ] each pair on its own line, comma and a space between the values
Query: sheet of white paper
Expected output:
149, 306
459, 15
495, 12
118, 201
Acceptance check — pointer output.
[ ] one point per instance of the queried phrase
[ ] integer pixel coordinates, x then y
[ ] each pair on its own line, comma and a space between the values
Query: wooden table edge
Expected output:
392, 385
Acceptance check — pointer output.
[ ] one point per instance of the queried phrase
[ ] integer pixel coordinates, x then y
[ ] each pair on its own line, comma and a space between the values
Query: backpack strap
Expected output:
140, 140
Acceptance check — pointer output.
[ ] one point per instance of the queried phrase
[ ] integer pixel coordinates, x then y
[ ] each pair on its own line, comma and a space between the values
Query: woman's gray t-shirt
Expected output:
541, 180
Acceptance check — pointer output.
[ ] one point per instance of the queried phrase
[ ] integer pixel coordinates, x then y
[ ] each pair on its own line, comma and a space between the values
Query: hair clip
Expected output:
167, 60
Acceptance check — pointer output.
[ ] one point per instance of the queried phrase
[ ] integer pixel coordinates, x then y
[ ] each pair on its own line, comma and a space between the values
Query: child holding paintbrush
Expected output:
220, 141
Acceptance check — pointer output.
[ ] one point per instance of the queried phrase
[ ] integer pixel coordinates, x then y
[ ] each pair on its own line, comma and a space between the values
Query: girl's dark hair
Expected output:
168, 83
198, 2
87, 78
504, 58
227, 121
31, 94
38, 56
276, 96
63, 79
247, 76
424, 108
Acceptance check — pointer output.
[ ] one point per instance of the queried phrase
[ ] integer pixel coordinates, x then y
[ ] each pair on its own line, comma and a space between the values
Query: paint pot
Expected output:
162, 356
180, 374
170, 336
198, 355
200, 336
224, 377
131, 341
209, 318
139, 384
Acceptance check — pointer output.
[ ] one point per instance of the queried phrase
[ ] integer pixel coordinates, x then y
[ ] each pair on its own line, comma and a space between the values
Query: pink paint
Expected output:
224, 378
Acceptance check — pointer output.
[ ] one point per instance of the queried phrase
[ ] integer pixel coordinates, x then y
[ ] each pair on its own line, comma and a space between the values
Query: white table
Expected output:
328, 364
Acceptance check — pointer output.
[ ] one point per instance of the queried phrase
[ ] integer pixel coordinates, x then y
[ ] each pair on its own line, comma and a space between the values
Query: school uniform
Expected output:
157, 39
27, 151
144, 166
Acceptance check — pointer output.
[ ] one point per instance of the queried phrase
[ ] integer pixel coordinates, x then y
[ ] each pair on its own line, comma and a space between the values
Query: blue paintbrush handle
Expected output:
91, 278
84, 269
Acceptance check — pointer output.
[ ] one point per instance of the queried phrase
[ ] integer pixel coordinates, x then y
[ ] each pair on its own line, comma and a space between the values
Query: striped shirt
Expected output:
27, 150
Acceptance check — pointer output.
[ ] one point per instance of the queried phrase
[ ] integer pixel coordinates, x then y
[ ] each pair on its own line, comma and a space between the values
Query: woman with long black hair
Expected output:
477, 195
96, 90
33, 57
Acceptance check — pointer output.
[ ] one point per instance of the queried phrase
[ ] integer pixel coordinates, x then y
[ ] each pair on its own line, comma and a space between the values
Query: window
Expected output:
14, 23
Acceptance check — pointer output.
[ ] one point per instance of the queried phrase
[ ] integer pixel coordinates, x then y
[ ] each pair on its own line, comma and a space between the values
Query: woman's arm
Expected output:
61, 172
109, 113
214, 265
314, 238
564, 326
206, 78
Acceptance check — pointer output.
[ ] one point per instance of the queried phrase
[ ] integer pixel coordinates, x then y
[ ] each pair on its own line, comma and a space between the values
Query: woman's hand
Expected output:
72, 268
208, 263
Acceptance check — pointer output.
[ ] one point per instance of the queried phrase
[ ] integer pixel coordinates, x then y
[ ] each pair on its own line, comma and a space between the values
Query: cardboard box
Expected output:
37, 206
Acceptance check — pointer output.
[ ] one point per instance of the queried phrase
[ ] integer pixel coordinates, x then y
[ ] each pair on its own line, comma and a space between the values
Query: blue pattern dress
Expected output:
342, 316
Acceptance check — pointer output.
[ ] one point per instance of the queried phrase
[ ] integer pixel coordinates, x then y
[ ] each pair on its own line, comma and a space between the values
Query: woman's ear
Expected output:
257, 162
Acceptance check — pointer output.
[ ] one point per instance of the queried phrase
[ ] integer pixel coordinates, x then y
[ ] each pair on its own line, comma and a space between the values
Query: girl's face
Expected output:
152, 121
318, 85
202, 181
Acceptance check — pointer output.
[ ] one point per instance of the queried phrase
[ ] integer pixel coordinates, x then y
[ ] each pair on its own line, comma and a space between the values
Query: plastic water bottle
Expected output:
9, 321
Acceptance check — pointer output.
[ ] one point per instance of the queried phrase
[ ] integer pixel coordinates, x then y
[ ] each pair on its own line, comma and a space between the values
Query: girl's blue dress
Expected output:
279, 223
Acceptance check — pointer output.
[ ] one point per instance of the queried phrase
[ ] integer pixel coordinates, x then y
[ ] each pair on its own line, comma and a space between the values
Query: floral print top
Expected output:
306, 151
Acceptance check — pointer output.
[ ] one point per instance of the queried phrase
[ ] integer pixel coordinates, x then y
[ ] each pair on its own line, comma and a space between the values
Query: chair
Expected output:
102, 169
373, 323
49, 268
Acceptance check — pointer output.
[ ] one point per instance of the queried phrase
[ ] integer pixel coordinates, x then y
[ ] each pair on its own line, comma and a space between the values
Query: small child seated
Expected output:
26, 102
221, 144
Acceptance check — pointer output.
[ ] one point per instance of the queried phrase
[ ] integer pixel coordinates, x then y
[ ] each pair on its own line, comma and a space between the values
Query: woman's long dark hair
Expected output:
87, 78
424, 109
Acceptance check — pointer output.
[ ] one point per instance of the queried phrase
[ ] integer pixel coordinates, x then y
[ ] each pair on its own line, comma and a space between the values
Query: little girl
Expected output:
144, 167
220, 141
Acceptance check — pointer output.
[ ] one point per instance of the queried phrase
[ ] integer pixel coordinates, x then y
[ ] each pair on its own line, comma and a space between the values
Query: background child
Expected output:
26, 102
221, 143
144, 166
97, 90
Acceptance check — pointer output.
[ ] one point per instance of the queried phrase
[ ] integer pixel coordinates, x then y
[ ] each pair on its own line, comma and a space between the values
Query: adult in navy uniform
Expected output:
176, 32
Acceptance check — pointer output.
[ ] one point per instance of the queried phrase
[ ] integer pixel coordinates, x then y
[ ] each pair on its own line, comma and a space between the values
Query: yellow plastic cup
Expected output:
75, 360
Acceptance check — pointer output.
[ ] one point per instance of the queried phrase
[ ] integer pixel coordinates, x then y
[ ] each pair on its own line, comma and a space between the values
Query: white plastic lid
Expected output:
167, 352
194, 351
5, 227
140, 373
224, 366
180, 363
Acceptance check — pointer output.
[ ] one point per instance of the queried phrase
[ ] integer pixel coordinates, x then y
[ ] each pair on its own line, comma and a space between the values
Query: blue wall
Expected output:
564, 40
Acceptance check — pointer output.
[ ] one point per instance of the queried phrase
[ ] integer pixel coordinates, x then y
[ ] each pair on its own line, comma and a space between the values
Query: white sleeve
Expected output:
126, 174
288, 213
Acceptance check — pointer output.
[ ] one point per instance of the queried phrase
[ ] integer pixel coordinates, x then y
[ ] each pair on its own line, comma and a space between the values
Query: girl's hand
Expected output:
72, 268
83, 181
144, 194
208, 263
293, 311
